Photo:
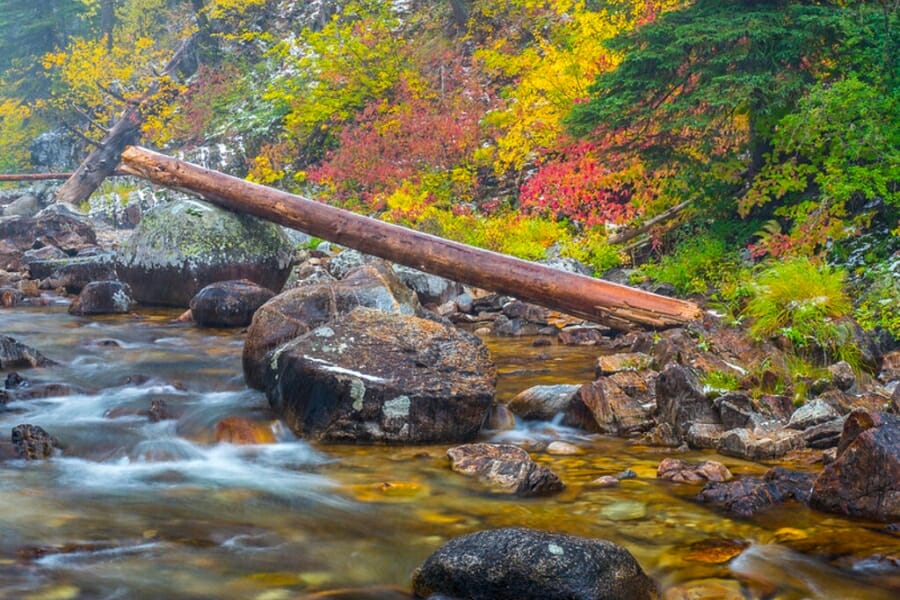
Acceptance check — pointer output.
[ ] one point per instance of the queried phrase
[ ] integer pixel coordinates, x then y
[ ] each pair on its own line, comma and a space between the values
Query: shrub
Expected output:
804, 303
698, 264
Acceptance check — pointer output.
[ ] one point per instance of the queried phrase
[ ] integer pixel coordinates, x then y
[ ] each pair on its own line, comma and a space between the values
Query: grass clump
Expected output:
804, 303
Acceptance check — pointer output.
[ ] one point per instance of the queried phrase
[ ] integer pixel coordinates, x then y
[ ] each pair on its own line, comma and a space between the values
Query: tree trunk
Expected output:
600, 301
102, 162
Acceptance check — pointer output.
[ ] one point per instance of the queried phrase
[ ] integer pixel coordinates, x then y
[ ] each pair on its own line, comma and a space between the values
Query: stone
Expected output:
228, 303
614, 411
824, 435
749, 495
526, 564
681, 402
430, 289
298, 310
890, 367
604, 481
864, 479
504, 326
501, 418
842, 376
505, 468
103, 298
26, 205
241, 431
624, 510
65, 232
74, 273
811, 414
374, 376
751, 445
672, 469
348, 260
625, 361
560, 448
704, 436
181, 247
544, 402
579, 335
15, 355
735, 410
33, 443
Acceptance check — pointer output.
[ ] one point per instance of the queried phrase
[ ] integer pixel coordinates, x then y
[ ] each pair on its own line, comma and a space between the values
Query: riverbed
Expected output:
137, 509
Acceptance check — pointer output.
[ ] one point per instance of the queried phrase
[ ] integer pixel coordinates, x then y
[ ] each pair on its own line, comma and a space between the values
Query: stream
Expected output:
137, 509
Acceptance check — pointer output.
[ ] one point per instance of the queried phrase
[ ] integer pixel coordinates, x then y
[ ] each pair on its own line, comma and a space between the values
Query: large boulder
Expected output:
505, 468
65, 232
374, 376
180, 247
298, 310
526, 564
228, 303
864, 479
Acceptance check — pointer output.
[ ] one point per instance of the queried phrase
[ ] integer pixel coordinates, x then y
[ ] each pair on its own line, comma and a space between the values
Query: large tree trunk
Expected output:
600, 301
102, 162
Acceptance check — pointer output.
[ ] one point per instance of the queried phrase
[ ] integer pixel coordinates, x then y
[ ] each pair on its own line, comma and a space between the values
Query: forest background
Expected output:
765, 132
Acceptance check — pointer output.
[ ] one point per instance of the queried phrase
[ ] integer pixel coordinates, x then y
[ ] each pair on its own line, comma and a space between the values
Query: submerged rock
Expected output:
228, 303
526, 564
15, 355
864, 479
297, 311
374, 376
506, 468
103, 298
237, 430
180, 247
33, 443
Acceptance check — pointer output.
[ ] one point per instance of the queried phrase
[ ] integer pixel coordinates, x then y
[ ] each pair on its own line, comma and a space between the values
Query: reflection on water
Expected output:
133, 508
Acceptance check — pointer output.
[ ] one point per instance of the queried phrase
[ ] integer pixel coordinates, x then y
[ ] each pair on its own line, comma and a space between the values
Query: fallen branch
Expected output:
600, 301
630, 234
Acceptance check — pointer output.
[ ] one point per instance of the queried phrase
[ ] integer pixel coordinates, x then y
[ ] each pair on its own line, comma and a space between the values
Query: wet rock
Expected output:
33, 443
715, 551
681, 402
15, 355
760, 446
749, 495
582, 336
237, 430
735, 410
544, 402
42, 390
26, 205
842, 376
890, 367
625, 361
297, 311
74, 273
864, 479
614, 411
604, 481
672, 469
704, 436
504, 326
14, 380
501, 418
228, 303
525, 564
180, 247
374, 376
706, 589
637, 384
65, 232
559, 448
505, 468
160, 411
431, 289
347, 261
103, 298
10, 297
824, 435
811, 414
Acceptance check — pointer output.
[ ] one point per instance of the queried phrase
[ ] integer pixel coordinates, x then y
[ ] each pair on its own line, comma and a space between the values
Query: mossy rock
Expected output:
182, 246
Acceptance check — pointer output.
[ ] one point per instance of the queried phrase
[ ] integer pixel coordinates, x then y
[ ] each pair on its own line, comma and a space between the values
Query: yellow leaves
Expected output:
17, 127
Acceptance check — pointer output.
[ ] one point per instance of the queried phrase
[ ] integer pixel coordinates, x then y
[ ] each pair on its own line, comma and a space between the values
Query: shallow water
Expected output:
134, 509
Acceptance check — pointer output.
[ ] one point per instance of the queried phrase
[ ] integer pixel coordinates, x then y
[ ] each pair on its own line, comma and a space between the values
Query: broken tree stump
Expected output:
617, 306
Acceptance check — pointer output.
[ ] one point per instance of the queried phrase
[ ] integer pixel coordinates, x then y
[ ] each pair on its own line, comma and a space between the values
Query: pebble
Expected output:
559, 448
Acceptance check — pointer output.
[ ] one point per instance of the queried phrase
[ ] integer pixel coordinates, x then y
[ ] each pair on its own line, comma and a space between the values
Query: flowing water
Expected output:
136, 509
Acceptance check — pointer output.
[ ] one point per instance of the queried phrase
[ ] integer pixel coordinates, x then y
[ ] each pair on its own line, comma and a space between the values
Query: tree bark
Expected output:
600, 301
102, 162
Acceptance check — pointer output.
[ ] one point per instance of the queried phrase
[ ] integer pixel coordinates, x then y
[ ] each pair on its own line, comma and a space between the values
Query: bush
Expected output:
804, 303
698, 264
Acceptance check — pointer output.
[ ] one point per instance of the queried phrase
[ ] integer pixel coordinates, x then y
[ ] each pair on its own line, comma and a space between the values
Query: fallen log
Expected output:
618, 306
40, 176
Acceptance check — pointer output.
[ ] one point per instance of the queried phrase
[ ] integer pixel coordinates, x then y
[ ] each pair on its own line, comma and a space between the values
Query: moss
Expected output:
194, 233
